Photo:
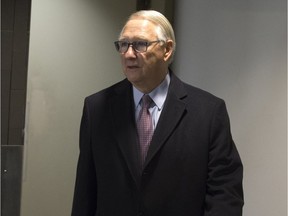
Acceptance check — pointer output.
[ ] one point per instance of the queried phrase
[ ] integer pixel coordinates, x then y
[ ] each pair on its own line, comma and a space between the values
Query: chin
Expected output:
133, 79
132, 74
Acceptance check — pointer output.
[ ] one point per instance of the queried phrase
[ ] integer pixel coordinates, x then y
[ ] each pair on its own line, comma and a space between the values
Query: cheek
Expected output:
151, 60
156, 55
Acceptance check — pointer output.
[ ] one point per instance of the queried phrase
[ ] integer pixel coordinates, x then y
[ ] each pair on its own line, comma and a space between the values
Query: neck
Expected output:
147, 87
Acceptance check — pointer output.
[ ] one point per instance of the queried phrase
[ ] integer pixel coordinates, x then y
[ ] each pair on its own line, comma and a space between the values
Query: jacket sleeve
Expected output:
224, 195
85, 193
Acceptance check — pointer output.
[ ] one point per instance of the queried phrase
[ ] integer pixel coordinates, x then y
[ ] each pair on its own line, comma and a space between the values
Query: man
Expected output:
169, 154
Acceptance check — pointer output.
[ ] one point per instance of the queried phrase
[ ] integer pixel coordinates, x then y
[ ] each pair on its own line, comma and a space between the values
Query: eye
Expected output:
140, 46
123, 43
140, 43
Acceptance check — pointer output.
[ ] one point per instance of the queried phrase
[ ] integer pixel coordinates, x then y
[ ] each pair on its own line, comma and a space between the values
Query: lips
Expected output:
132, 66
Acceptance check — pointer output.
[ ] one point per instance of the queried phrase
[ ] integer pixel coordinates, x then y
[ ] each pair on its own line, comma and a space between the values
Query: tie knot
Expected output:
146, 101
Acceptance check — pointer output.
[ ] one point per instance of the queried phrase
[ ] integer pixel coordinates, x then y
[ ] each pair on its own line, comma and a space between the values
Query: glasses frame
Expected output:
133, 44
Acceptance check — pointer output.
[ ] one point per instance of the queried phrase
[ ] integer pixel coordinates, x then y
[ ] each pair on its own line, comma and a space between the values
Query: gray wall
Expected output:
71, 56
237, 50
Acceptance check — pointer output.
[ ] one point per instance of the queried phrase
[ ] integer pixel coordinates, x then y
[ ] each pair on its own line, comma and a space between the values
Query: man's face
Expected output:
144, 70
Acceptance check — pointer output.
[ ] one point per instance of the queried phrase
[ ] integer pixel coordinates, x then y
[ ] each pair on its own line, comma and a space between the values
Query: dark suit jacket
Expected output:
192, 167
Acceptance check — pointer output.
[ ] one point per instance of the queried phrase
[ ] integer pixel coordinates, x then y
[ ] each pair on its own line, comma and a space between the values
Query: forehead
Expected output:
139, 29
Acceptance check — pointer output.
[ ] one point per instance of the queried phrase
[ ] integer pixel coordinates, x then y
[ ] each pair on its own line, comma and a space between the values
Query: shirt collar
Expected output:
158, 95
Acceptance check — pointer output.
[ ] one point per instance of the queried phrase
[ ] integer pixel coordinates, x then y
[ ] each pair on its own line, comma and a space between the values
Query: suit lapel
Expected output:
125, 132
173, 111
122, 107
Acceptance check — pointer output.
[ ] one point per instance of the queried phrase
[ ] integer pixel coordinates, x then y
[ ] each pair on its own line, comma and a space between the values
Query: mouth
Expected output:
132, 67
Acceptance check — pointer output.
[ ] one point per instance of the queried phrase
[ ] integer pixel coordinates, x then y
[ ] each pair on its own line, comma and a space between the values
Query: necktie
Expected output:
145, 128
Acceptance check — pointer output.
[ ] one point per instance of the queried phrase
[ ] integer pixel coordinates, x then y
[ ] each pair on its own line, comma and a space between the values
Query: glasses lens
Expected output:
140, 46
122, 46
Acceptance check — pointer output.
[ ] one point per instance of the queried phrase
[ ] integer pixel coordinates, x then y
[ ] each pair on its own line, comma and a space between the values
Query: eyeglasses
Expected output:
138, 46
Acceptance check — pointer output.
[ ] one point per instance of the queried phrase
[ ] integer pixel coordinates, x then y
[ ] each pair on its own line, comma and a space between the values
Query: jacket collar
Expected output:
125, 132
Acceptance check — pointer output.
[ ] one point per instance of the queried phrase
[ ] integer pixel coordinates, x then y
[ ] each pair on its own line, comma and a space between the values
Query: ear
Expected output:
168, 50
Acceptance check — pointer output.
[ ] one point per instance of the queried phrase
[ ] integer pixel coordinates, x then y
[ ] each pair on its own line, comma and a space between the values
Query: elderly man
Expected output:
152, 145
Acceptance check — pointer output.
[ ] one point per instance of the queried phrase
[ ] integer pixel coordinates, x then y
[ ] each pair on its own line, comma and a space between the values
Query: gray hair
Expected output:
165, 31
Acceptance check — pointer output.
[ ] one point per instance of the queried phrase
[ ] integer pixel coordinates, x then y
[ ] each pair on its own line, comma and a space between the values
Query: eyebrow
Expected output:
133, 39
